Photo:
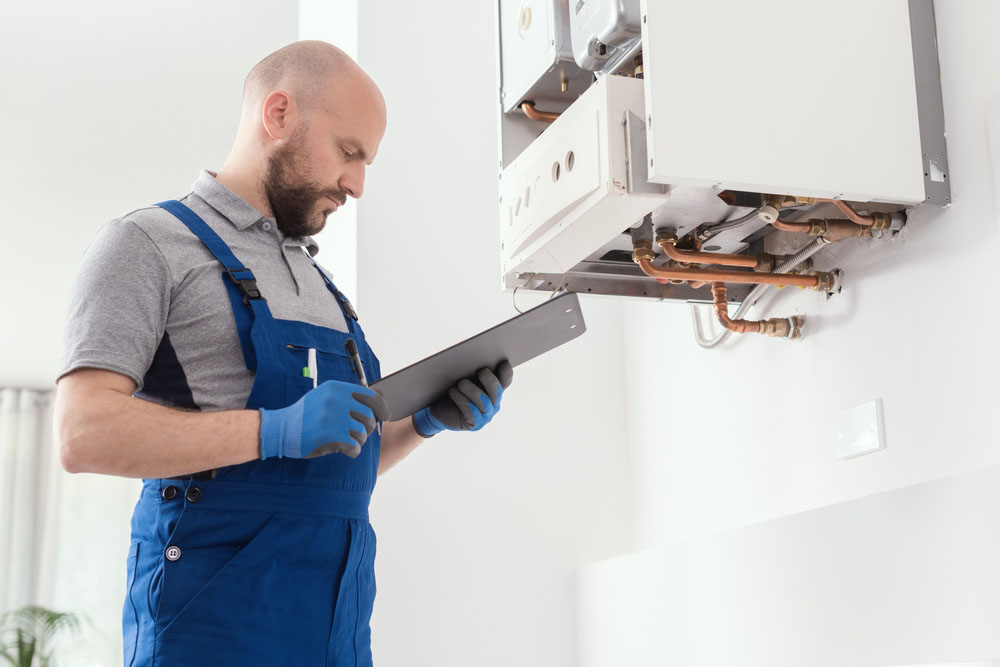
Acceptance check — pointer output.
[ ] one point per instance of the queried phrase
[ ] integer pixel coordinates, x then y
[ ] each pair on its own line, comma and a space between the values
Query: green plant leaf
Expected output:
32, 632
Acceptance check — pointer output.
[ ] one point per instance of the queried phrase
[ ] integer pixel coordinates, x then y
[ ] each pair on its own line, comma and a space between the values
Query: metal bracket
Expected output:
635, 157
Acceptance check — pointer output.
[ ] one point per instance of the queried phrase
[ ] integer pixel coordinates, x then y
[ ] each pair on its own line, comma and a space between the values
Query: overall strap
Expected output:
246, 299
350, 315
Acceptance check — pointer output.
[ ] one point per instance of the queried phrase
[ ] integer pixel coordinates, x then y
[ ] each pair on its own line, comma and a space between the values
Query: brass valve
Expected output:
780, 327
643, 250
826, 281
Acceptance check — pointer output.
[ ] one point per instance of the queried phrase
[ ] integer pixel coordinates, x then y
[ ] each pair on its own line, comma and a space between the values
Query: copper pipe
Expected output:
817, 281
722, 312
706, 257
696, 284
778, 327
791, 226
531, 112
851, 214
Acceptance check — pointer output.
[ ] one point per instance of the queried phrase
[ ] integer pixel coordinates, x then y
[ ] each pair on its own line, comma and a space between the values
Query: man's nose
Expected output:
353, 181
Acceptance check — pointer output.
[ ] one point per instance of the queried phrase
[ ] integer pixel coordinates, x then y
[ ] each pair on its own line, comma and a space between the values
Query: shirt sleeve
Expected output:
118, 304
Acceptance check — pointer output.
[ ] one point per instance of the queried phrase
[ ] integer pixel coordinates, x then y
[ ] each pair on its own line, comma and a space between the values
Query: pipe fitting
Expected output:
798, 322
781, 327
826, 281
838, 230
643, 250
776, 327
665, 236
765, 263
881, 221
818, 227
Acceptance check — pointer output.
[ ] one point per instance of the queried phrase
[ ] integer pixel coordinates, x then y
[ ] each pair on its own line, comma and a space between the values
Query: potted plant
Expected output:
29, 636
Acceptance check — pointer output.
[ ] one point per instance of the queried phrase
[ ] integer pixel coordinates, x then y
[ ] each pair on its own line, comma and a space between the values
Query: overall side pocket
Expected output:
130, 615
207, 542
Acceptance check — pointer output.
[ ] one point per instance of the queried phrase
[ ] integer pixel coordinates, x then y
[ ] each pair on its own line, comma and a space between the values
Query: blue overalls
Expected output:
268, 562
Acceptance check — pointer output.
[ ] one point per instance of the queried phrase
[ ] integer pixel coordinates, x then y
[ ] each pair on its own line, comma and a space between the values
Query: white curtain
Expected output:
63, 538
27, 488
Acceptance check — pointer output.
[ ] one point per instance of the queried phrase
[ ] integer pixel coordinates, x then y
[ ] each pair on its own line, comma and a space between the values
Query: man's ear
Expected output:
276, 114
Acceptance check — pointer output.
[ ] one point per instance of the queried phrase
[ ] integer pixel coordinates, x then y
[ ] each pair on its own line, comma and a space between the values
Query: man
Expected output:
207, 353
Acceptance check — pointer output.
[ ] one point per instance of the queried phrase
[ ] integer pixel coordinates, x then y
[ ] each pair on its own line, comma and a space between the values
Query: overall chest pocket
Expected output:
330, 365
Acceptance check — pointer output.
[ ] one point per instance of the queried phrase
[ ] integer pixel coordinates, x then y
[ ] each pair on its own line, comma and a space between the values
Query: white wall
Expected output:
743, 434
107, 105
336, 21
906, 577
479, 534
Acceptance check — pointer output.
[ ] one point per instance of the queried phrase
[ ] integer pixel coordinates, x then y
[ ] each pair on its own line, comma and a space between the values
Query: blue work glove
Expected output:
469, 405
333, 417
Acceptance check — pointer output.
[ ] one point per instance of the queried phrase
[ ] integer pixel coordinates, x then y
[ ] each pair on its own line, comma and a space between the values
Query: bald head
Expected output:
308, 71
312, 122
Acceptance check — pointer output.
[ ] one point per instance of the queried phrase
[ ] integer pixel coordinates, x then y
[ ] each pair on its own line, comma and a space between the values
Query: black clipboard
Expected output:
532, 333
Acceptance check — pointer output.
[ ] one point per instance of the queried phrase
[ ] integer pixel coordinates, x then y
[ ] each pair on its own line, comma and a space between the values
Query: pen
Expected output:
359, 369
313, 369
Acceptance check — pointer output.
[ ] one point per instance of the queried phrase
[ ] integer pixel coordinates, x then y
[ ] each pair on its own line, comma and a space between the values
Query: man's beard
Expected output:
292, 200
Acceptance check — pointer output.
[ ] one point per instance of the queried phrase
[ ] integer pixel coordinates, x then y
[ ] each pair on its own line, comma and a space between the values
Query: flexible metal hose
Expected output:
753, 296
715, 230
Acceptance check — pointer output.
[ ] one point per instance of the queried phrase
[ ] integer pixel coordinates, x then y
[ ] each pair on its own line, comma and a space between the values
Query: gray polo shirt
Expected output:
148, 300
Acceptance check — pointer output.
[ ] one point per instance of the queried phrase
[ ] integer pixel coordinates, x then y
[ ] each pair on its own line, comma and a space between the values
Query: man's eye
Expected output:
348, 154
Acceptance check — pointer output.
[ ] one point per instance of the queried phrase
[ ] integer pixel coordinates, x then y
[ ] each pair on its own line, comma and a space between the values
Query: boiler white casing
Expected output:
568, 191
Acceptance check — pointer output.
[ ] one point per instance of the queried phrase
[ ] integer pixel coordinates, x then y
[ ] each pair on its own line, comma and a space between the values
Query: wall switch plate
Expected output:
859, 430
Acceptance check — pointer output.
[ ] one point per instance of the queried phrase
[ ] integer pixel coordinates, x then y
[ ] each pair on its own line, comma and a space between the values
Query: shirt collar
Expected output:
241, 214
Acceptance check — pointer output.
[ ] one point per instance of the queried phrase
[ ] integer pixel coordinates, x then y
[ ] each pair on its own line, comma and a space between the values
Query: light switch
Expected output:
859, 430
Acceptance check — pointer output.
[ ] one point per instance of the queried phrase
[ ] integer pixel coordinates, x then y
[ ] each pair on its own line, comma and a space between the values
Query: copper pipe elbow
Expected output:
777, 327
705, 257
851, 214
722, 312
531, 112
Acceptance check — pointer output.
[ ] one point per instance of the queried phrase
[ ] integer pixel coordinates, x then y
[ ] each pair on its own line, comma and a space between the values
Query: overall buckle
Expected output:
247, 286
347, 306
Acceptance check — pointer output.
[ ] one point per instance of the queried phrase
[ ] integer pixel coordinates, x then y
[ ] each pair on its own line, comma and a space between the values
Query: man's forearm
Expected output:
105, 430
398, 440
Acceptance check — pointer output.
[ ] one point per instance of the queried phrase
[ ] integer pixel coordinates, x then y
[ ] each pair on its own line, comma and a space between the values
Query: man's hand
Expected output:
333, 417
469, 406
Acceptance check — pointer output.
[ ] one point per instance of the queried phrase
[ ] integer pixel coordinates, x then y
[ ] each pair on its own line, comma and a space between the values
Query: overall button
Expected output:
169, 492
173, 553
193, 494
